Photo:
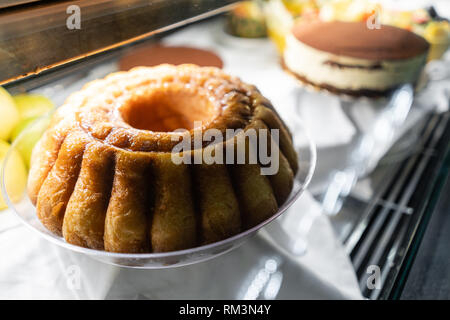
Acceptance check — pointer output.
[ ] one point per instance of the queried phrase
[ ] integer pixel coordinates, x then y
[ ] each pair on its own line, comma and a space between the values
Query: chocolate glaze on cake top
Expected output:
157, 54
355, 39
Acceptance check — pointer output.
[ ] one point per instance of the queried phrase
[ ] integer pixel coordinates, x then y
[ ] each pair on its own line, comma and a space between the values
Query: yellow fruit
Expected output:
278, 38
27, 133
32, 105
9, 115
295, 7
437, 34
15, 175
437, 31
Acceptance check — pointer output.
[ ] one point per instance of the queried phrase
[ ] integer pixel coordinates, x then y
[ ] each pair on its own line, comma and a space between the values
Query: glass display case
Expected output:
381, 220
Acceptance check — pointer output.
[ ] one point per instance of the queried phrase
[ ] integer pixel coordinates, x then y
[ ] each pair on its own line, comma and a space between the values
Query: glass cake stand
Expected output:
27, 213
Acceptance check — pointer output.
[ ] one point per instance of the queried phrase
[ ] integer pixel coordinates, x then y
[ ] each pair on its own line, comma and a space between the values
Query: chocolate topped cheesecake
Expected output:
350, 58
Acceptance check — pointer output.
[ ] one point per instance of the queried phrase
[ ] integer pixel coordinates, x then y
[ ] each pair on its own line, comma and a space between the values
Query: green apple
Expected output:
9, 115
27, 133
32, 105
15, 174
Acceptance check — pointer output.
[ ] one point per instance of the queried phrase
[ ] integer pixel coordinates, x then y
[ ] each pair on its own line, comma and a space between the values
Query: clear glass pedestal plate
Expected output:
27, 213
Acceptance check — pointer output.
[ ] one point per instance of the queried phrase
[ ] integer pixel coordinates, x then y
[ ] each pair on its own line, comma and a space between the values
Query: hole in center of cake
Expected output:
166, 111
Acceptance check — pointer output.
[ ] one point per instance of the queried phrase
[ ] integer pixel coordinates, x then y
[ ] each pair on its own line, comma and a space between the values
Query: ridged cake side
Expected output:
103, 184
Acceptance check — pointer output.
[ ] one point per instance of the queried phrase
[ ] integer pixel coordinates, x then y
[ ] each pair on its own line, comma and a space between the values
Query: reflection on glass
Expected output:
370, 148
266, 281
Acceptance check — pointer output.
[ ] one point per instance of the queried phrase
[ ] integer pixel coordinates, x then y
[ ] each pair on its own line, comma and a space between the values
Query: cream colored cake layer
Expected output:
315, 66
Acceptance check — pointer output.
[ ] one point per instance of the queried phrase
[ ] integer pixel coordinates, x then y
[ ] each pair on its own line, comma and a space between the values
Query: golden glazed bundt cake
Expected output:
102, 175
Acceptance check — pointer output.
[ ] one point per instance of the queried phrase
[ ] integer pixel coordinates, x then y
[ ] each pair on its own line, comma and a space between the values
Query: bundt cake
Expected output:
103, 176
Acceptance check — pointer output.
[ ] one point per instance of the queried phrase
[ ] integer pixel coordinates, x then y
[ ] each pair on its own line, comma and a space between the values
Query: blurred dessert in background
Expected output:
437, 34
246, 20
349, 58
281, 15
157, 54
